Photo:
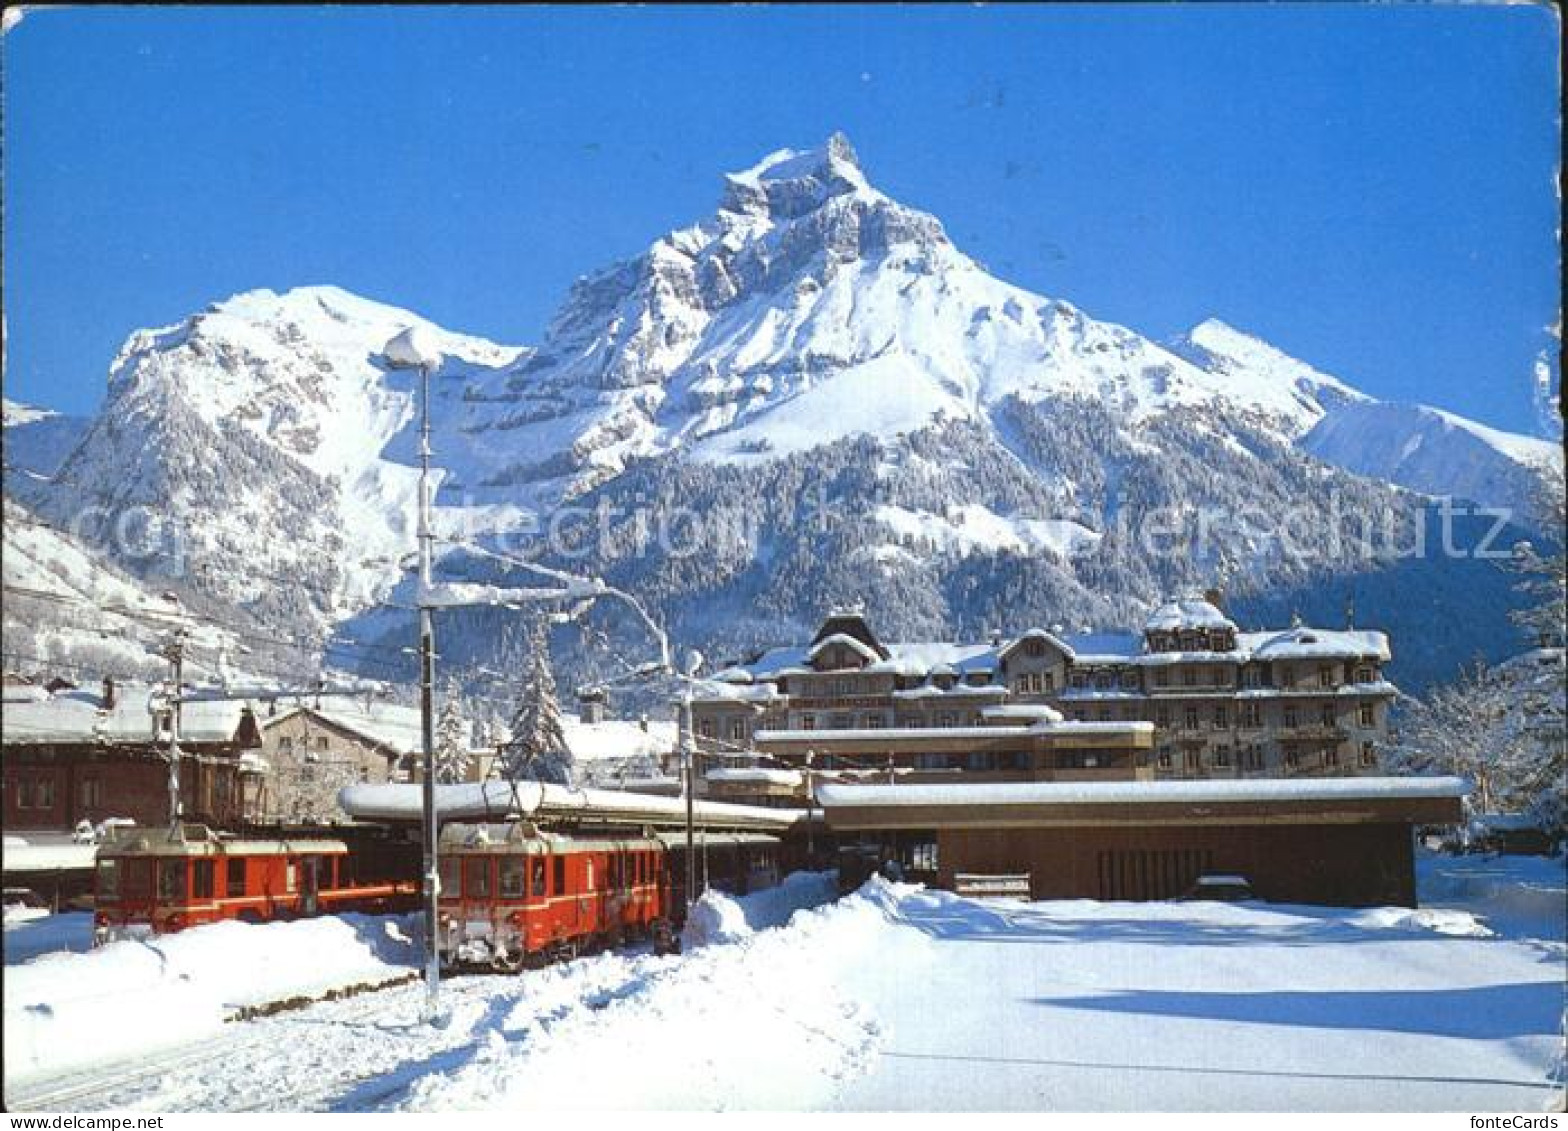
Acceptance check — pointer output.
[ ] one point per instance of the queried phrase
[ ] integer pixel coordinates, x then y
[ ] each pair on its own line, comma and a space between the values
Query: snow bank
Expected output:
67, 1010
760, 1024
715, 918
719, 918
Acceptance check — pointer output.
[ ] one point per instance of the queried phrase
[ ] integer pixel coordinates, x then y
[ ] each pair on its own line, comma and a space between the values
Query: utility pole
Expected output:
688, 764
176, 657
427, 722
414, 349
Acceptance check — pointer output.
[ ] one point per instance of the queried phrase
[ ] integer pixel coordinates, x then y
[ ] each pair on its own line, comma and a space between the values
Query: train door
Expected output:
309, 885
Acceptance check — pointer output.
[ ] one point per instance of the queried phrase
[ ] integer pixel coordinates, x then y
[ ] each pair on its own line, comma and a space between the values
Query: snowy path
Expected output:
898, 998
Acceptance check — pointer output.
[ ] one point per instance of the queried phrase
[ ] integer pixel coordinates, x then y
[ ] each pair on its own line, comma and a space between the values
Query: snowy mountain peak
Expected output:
790, 182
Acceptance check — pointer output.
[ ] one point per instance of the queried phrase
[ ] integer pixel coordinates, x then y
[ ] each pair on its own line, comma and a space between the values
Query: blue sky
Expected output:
1368, 187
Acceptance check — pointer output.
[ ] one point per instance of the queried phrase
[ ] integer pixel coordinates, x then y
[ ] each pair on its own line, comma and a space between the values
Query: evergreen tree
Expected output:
453, 758
536, 749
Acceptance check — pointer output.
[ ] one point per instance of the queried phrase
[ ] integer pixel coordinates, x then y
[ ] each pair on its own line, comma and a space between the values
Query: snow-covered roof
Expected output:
1143, 792
57, 857
1187, 612
79, 716
617, 738
391, 725
1314, 643
758, 775
1102, 647
493, 799
1033, 711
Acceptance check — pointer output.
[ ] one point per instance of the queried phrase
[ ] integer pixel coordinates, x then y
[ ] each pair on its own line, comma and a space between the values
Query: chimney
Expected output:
108, 693
591, 705
1215, 596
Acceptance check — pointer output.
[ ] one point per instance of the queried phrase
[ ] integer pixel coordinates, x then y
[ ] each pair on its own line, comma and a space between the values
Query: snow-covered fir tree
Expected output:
536, 749
453, 758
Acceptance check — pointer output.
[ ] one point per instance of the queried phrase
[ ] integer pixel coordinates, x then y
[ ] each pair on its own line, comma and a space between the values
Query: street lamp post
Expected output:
412, 349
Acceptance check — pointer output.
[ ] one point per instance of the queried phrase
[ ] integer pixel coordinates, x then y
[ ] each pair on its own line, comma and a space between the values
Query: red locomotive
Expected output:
154, 882
512, 895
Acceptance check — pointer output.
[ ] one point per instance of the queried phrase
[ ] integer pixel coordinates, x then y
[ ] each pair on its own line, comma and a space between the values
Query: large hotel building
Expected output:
1188, 697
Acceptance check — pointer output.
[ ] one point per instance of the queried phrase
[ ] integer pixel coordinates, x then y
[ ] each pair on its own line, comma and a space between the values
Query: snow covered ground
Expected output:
899, 998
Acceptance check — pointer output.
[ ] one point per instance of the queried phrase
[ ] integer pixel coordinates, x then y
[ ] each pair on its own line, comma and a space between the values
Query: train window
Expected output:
136, 879
291, 876
588, 884
476, 877
108, 879
171, 880
234, 886
201, 879
449, 869
512, 877
536, 864
612, 871
558, 885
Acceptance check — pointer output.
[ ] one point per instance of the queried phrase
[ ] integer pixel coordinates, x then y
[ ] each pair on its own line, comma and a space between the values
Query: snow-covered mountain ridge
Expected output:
813, 346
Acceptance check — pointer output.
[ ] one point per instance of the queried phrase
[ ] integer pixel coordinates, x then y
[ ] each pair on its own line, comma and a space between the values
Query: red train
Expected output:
153, 881
512, 895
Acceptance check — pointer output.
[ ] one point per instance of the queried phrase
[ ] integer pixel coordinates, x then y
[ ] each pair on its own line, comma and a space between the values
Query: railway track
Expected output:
118, 1084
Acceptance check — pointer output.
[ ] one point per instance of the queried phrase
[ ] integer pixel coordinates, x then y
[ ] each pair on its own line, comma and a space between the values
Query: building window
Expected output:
1047, 682
875, 722
1130, 681
705, 728
1078, 680
1292, 759
1105, 714
286, 745
1103, 681
923, 857
1325, 676
1327, 716
43, 796
1368, 715
1254, 756
1164, 757
1368, 754
1251, 677
1251, 716
1194, 760
737, 731
90, 792
1221, 718
946, 719
1162, 716
1291, 720
1162, 677
323, 744
1222, 757
1190, 718
843, 722
982, 761
808, 722
1189, 677
1331, 756
845, 687
1364, 675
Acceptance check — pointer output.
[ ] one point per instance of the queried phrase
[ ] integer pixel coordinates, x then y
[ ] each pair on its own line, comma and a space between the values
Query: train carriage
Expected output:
156, 882
512, 895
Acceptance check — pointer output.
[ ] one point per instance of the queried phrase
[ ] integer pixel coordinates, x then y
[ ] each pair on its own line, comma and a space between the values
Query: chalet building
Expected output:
1190, 696
315, 751
76, 755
